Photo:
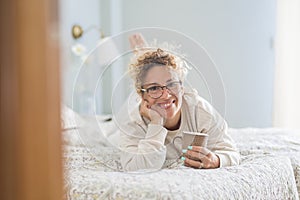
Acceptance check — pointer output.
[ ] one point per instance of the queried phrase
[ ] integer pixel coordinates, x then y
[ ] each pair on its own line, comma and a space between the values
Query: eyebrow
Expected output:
148, 84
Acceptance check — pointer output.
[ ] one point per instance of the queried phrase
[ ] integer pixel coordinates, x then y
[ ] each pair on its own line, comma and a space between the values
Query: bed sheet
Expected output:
269, 169
258, 177
270, 141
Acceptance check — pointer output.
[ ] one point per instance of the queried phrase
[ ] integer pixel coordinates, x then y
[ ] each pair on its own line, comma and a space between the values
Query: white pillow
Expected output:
86, 130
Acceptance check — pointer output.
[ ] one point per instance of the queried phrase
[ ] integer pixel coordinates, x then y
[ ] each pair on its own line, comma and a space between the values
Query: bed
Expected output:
269, 169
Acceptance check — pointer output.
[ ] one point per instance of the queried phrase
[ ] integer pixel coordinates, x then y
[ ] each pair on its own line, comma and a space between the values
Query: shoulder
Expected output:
196, 102
202, 111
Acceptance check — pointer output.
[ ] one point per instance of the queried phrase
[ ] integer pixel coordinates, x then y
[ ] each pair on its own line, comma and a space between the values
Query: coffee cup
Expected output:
194, 139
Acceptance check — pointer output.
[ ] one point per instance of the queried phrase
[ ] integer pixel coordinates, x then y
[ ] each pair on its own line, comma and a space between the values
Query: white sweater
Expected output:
147, 146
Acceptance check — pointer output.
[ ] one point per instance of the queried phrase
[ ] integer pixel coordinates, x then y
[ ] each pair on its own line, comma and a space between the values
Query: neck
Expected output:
173, 123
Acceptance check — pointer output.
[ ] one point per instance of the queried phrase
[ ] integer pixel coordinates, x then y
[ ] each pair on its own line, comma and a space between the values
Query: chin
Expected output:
170, 115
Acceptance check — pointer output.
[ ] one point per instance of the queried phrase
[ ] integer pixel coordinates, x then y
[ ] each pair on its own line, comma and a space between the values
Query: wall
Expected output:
238, 36
86, 14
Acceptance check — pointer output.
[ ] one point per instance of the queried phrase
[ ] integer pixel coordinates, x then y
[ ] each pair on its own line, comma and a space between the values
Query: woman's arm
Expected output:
222, 144
140, 150
220, 150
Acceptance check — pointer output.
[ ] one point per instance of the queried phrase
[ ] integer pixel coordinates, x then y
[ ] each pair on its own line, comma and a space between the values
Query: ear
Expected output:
141, 94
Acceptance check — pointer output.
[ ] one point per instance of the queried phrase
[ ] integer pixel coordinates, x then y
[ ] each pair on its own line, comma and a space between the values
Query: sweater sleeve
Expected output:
209, 121
143, 150
221, 143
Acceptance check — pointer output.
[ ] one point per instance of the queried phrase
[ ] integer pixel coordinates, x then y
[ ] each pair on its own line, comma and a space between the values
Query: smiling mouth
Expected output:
166, 105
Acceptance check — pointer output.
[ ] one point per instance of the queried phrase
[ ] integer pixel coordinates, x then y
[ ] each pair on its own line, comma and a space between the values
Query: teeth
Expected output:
166, 105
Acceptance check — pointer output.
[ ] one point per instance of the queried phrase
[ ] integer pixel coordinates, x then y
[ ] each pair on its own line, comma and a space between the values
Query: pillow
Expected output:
86, 130
69, 118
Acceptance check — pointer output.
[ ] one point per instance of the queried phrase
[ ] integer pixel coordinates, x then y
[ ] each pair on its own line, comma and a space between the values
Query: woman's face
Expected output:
170, 102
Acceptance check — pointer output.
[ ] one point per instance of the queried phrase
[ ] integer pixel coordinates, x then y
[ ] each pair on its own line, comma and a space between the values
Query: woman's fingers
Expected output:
203, 155
144, 109
159, 110
156, 115
193, 163
151, 112
195, 155
200, 149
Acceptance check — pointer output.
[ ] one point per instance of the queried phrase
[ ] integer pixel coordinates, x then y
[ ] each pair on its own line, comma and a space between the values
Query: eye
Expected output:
172, 84
153, 88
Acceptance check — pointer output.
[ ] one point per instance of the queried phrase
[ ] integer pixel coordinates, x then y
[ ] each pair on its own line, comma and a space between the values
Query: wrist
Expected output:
157, 121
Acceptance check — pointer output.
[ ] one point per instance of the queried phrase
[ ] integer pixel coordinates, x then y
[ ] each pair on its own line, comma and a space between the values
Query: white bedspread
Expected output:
94, 176
270, 141
269, 169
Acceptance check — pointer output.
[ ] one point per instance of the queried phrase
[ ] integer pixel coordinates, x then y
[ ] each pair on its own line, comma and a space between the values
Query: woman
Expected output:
150, 135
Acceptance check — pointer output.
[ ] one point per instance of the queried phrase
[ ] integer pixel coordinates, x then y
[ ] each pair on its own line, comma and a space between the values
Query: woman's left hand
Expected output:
201, 157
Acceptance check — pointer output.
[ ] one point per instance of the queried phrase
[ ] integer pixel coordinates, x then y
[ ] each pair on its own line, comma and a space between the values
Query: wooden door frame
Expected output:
30, 133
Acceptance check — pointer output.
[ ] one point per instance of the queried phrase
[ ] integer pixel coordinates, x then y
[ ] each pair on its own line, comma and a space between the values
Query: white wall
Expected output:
84, 13
237, 34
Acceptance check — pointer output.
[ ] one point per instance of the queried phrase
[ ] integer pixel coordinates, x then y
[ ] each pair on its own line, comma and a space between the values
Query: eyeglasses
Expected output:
157, 91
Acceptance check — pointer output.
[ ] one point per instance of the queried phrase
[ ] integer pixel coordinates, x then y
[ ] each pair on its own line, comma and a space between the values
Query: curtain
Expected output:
286, 110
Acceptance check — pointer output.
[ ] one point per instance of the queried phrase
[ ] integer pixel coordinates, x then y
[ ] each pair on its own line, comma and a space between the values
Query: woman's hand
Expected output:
137, 41
153, 113
200, 157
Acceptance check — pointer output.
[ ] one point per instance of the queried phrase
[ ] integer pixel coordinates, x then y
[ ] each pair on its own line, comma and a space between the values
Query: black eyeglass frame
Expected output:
162, 89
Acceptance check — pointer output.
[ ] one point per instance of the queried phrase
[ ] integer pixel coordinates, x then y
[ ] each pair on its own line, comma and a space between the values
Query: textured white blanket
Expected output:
270, 169
92, 175
270, 141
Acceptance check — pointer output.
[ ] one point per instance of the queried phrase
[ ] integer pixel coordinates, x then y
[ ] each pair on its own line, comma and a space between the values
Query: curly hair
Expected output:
142, 63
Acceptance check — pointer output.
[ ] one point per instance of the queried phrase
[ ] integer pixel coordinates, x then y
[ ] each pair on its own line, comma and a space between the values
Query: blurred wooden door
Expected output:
30, 145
